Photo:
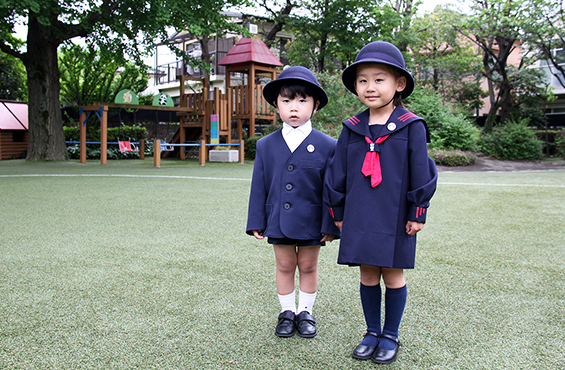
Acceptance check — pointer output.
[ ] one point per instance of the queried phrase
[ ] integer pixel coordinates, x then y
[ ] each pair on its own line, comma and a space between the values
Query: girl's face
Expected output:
297, 111
376, 85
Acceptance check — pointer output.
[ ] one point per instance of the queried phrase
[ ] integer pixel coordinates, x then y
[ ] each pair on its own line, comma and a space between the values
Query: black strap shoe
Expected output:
285, 326
363, 352
386, 356
306, 325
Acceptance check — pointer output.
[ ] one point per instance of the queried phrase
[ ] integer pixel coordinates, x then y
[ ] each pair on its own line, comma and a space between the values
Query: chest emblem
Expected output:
310, 148
391, 126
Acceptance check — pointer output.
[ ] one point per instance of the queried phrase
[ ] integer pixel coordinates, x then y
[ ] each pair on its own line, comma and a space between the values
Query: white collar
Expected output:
304, 129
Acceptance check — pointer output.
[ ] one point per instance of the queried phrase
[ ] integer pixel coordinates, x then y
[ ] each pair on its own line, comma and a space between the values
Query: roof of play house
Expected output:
13, 116
250, 50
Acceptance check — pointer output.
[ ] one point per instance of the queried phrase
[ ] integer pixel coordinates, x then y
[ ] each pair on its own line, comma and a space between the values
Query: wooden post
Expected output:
142, 149
251, 100
157, 153
202, 153
82, 137
241, 151
104, 136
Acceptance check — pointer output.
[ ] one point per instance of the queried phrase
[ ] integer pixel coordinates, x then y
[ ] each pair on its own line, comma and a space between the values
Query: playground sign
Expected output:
126, 96
163, 100
214, 132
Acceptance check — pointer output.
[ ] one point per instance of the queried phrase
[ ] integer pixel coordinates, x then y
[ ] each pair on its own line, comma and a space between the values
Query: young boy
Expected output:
286, 202
380, 183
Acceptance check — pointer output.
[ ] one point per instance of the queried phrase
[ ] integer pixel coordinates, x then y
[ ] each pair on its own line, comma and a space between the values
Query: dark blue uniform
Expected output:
286, 191
374, 218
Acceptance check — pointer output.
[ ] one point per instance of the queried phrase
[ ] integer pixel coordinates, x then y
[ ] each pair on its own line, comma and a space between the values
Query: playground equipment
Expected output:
207, 118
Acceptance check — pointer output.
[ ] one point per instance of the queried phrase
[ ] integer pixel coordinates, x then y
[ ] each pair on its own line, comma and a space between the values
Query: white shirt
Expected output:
295, 136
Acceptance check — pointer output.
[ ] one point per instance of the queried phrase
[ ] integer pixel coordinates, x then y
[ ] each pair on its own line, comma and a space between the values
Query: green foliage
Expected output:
251, 147
341, 105
514, 140
447, 130
560, 144
88, 76
330, 33
445, 61
13, 79
114, 133
452, 157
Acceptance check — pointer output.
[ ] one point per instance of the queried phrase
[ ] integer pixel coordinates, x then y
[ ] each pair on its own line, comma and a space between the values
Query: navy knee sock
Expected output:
395, 301
371, 302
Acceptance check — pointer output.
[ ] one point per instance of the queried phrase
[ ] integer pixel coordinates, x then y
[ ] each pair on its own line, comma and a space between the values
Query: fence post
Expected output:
202, 153
241, 151
142, 149
157, 153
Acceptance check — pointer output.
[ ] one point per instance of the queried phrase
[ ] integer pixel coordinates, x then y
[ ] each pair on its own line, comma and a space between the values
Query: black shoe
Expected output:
386, 356
363, 352
306, 325
285, 326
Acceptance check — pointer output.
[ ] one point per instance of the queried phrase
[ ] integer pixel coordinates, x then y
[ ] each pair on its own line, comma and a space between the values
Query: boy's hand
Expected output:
327, 237
412, 227
257, 234
338, 224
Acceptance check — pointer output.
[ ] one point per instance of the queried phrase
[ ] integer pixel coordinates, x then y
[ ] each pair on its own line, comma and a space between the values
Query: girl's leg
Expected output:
395, 302
307, 260
370, 292
286, 261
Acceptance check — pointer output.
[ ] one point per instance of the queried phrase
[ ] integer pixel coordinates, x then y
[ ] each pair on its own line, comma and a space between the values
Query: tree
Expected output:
12, 78
87, 76
545, 35
446, 61
329, 33
279, 17
116, 27
495, 27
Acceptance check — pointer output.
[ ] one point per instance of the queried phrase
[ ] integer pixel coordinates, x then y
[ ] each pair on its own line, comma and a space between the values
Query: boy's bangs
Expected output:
294, 90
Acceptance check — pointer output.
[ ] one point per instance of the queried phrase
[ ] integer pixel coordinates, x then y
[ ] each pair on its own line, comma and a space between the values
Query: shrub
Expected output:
251, 147
560, 144
452, 157
514, 140
447, 130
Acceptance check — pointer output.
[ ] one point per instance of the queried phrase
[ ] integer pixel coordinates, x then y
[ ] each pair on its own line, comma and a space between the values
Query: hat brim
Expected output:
271, 90
349, 76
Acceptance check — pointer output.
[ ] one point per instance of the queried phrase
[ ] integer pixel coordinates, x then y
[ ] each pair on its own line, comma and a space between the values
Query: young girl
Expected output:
379, 186
286, 202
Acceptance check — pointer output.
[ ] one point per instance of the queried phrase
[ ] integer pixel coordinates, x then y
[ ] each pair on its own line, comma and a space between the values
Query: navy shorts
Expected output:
298, 243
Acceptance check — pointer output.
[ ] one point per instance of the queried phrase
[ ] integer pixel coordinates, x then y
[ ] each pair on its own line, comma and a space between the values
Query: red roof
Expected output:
13, 116
250, 50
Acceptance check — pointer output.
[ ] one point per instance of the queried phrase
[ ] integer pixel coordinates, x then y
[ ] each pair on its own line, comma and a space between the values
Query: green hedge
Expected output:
514, 140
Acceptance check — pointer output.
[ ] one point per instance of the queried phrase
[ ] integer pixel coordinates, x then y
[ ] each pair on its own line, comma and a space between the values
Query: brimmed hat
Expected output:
378, 52
297, 74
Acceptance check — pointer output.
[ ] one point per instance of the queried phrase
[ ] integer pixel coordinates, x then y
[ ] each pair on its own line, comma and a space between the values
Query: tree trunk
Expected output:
46, 139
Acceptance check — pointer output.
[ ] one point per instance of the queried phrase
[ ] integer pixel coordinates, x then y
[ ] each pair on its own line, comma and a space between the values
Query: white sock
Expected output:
287, 302
306, 301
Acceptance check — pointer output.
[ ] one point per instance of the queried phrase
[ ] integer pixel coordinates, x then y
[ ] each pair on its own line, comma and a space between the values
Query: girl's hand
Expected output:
412, 227
338, 224
327, 237
257, 234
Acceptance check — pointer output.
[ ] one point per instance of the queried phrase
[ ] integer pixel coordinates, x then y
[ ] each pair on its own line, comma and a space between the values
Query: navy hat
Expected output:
378, 52
299, 75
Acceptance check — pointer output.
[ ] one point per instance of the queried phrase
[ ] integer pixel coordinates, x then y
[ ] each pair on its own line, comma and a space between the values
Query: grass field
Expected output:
129, 266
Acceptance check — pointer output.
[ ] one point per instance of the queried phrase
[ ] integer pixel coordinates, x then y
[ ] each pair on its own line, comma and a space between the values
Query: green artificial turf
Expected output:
129, 266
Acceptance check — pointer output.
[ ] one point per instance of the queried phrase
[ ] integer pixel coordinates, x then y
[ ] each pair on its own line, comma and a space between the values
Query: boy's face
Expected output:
297, 111
377, 83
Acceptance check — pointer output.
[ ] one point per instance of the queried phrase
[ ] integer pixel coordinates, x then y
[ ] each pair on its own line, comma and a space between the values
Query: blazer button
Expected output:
288, 186
290, 168
287, 206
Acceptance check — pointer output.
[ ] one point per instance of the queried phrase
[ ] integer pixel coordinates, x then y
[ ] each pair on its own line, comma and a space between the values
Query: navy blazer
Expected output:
286, 199
374, 219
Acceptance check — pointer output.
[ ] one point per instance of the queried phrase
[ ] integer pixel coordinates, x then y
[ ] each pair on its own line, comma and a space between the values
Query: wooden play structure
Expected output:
241, 104
208, 118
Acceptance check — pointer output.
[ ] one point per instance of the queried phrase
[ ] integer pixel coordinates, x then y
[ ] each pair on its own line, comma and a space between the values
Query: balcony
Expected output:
170, 72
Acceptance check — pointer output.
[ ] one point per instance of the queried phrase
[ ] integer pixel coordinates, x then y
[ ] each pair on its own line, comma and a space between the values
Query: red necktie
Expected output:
372, 163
